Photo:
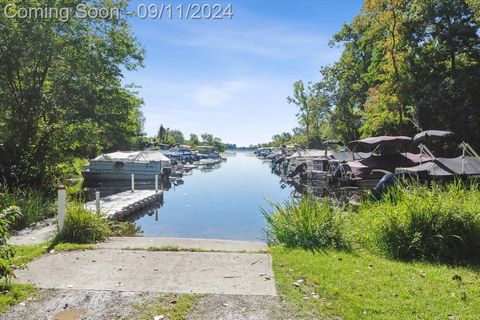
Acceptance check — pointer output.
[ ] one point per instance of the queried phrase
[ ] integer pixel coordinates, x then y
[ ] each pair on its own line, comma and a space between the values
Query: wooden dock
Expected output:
121, 205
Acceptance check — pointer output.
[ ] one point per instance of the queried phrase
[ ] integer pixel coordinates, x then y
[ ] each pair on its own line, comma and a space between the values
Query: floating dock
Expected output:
121, 205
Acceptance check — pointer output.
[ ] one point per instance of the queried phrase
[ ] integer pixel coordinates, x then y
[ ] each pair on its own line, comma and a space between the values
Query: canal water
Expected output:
223, 203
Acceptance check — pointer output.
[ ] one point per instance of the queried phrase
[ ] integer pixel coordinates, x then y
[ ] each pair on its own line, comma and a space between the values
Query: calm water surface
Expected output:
224, 203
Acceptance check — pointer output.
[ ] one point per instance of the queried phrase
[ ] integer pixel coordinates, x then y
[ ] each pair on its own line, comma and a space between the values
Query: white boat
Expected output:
121, 165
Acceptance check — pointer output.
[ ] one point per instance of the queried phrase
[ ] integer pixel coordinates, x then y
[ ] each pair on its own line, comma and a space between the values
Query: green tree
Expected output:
194, 140
302, 99
162, 133
177, 136
405, 65
207, 138
61, 93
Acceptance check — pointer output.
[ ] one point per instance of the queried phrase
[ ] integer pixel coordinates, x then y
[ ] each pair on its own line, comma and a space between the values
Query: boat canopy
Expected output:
429, 134
445, 167
362, 168
381, 144
146, 155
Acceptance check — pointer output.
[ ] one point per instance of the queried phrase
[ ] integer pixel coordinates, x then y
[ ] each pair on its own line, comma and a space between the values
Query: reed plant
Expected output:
419, 222
306, 223
83, 226
34, 205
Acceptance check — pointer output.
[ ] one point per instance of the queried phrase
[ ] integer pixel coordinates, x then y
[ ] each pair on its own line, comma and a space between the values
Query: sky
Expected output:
232, 77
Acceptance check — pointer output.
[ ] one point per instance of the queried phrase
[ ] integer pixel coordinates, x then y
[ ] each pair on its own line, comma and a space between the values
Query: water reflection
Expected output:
219, 201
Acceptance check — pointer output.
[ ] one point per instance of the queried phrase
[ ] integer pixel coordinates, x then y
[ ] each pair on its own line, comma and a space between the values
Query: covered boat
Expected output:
120, 165
387, 153
441, 168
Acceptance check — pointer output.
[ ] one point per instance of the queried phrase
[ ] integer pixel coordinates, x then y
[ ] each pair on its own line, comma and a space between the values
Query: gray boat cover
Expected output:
445, 167
388, 144
349, 156
363, 168
429, 134
146, 155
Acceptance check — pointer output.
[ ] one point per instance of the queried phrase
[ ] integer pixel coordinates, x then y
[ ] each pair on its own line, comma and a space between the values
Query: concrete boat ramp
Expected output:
121, 205
140, 265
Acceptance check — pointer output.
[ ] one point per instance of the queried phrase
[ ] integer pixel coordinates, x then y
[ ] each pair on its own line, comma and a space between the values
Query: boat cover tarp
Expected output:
388, 144
362, 168
444, 167
349, 156
429, 134
147, 155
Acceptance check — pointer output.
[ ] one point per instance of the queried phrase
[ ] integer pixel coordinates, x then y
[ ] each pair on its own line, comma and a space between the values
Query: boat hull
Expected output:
120, 176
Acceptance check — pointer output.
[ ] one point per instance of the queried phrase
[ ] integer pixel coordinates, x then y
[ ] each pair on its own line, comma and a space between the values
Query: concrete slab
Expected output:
184, 243
153, 271
41, 232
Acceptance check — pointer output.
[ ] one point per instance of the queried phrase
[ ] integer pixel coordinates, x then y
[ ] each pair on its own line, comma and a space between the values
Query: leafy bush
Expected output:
7, 219
34, 205
429, 223
83, 226
306, 223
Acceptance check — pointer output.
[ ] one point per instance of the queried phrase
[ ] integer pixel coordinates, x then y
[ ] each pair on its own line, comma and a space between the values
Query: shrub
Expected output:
7, 218
83, 226
34, 205
306, 223
436, 224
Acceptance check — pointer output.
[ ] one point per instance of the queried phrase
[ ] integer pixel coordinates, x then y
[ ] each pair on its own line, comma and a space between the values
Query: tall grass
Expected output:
34, 205
83, 226
411, 222
437, 223
307, 223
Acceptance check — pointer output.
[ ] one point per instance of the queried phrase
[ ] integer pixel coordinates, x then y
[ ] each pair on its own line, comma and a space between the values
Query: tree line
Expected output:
405, 66
176, 137
61, 91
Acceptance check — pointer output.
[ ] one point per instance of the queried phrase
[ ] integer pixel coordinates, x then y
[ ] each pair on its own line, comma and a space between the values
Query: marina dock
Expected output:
121, 205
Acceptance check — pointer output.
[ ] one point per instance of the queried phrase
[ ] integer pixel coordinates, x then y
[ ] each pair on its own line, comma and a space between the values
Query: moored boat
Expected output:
120, 165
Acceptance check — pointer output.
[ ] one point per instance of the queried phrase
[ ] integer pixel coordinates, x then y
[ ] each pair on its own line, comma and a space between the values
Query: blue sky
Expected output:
231, 77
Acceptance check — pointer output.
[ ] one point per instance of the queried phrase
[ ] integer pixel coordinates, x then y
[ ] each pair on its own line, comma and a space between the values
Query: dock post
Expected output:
133, 182
62, 207
97, 201
156, 183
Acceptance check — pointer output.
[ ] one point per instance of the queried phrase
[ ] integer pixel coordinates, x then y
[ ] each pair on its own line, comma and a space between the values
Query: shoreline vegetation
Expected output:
405, 66
413, 254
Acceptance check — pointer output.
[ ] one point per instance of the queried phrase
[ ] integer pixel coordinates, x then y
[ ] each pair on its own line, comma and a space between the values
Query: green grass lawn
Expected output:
11, 294
364, 286
25, 254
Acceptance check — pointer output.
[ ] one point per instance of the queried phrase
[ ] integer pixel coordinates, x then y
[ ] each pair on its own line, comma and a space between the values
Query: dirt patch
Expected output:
70, 314
241, 307
69, 304
114, 305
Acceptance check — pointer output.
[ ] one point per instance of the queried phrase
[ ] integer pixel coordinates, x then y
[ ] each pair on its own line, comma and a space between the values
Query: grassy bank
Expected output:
361, 285
12, 294
414, 254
